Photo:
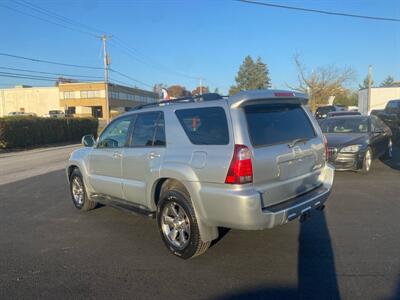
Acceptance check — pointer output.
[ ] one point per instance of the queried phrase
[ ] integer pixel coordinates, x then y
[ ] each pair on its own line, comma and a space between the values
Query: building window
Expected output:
90, 94
114, 95
71, 110
69, 95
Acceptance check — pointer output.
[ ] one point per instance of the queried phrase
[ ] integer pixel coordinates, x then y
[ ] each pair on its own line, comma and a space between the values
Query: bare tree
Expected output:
322, 83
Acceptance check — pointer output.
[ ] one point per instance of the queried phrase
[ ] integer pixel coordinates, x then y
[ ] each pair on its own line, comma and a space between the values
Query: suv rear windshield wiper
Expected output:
296, 141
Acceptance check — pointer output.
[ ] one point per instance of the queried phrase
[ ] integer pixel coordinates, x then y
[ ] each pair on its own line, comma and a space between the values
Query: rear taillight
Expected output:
325, 147
240, 170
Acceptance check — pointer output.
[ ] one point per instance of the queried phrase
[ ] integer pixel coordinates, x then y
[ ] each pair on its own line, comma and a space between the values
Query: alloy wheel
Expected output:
78, 192
175, 225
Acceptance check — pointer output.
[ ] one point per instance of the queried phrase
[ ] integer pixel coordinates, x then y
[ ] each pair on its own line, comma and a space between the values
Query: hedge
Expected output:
30, 131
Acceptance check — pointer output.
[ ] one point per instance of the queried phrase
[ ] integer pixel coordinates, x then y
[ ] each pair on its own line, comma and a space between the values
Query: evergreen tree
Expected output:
388, 82
364, 84
251, 76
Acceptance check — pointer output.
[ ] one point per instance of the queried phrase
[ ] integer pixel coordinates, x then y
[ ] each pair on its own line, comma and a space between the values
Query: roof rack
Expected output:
197, 98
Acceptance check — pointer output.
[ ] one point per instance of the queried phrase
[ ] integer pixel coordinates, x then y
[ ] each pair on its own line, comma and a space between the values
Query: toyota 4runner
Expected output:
251, 161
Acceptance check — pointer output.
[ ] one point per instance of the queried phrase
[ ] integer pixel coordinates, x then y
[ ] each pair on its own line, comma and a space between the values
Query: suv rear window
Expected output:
205, 126
277, 123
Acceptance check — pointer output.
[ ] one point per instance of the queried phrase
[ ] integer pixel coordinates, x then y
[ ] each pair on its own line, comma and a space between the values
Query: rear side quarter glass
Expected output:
148, 130
271, 124
205, 126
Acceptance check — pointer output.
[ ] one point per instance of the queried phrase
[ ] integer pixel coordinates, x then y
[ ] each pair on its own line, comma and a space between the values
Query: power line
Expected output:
50, 73
49, 62
57, 16
319, 11
25, 77
119, 43
45, 20
34, 76
129, 77
136, 54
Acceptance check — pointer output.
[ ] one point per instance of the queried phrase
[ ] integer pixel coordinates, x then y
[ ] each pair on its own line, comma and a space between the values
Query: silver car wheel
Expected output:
390, 149
368, 160
175, 225
77, 191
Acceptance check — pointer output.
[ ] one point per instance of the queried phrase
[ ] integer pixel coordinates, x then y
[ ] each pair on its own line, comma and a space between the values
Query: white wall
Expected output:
379, 97
32, 100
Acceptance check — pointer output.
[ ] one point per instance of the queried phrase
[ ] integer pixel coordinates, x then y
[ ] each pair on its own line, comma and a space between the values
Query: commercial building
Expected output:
79, 99
379, 97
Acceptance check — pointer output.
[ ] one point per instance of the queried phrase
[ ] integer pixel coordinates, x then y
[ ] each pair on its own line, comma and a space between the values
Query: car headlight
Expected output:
351, 149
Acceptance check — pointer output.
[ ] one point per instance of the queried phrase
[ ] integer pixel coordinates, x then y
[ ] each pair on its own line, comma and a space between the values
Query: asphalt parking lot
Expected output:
351, 250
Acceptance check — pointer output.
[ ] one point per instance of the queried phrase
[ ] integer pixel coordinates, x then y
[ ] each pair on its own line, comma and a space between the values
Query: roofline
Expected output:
380, 87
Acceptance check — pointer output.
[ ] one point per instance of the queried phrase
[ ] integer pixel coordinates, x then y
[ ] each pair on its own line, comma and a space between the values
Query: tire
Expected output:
367, 161
78, 192
177, 224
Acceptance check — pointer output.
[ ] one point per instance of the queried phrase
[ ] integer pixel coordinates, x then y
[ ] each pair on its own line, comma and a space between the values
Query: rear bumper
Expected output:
242, 209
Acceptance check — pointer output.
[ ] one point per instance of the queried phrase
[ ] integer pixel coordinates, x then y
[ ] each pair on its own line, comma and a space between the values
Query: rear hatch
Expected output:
287, 152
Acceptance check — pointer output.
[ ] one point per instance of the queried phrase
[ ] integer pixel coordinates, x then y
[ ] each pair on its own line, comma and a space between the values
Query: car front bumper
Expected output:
244, 210
347, 161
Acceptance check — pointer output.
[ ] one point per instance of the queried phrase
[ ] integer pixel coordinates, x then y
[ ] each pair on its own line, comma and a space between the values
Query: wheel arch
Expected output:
207, 233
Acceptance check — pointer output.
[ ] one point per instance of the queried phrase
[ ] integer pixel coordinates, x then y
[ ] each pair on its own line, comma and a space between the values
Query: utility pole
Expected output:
201, 85
106, 62
369, 88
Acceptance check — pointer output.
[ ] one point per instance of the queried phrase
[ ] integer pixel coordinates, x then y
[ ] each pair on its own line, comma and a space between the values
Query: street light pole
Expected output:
201, 85
106, 62
369, 88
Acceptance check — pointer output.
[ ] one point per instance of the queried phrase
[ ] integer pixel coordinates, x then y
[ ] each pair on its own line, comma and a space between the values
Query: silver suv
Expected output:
251, 161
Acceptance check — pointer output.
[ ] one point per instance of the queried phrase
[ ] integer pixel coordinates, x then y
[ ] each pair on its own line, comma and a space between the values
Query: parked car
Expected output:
354, 141
342, 113
252, 161
21, 114
390, 115
322, 111
55, 114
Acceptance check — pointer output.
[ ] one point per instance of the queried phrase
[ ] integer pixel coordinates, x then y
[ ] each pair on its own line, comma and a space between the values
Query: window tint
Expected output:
114, 136
159, 137
381, 124
277, 123
149, 130
393, 106
325, 109
374, 124
345, 125
205, 126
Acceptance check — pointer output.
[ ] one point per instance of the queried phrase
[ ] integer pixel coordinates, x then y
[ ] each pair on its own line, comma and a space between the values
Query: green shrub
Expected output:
29, 131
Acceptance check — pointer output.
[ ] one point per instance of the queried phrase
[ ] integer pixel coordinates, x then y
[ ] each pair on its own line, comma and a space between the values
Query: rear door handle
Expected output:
117, 154
153, 155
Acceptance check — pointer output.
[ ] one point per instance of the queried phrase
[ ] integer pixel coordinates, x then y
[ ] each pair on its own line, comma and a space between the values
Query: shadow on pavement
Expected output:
396, 294
315, 267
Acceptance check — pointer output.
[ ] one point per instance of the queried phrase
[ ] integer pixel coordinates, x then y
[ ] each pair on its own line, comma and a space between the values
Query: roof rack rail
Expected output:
197, 98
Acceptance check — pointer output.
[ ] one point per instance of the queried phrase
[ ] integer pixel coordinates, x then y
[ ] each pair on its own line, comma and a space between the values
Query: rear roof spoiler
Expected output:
269, 96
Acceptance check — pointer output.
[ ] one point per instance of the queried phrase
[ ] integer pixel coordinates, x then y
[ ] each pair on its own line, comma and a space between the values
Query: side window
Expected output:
159, 137
381, 124
375, 125
393, 106
149, 130
205, 126
115, 134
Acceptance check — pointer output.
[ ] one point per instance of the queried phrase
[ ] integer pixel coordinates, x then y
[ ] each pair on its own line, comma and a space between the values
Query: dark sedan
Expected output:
354, 141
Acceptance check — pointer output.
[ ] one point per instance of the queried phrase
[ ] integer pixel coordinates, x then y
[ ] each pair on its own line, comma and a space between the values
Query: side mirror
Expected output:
88, 140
